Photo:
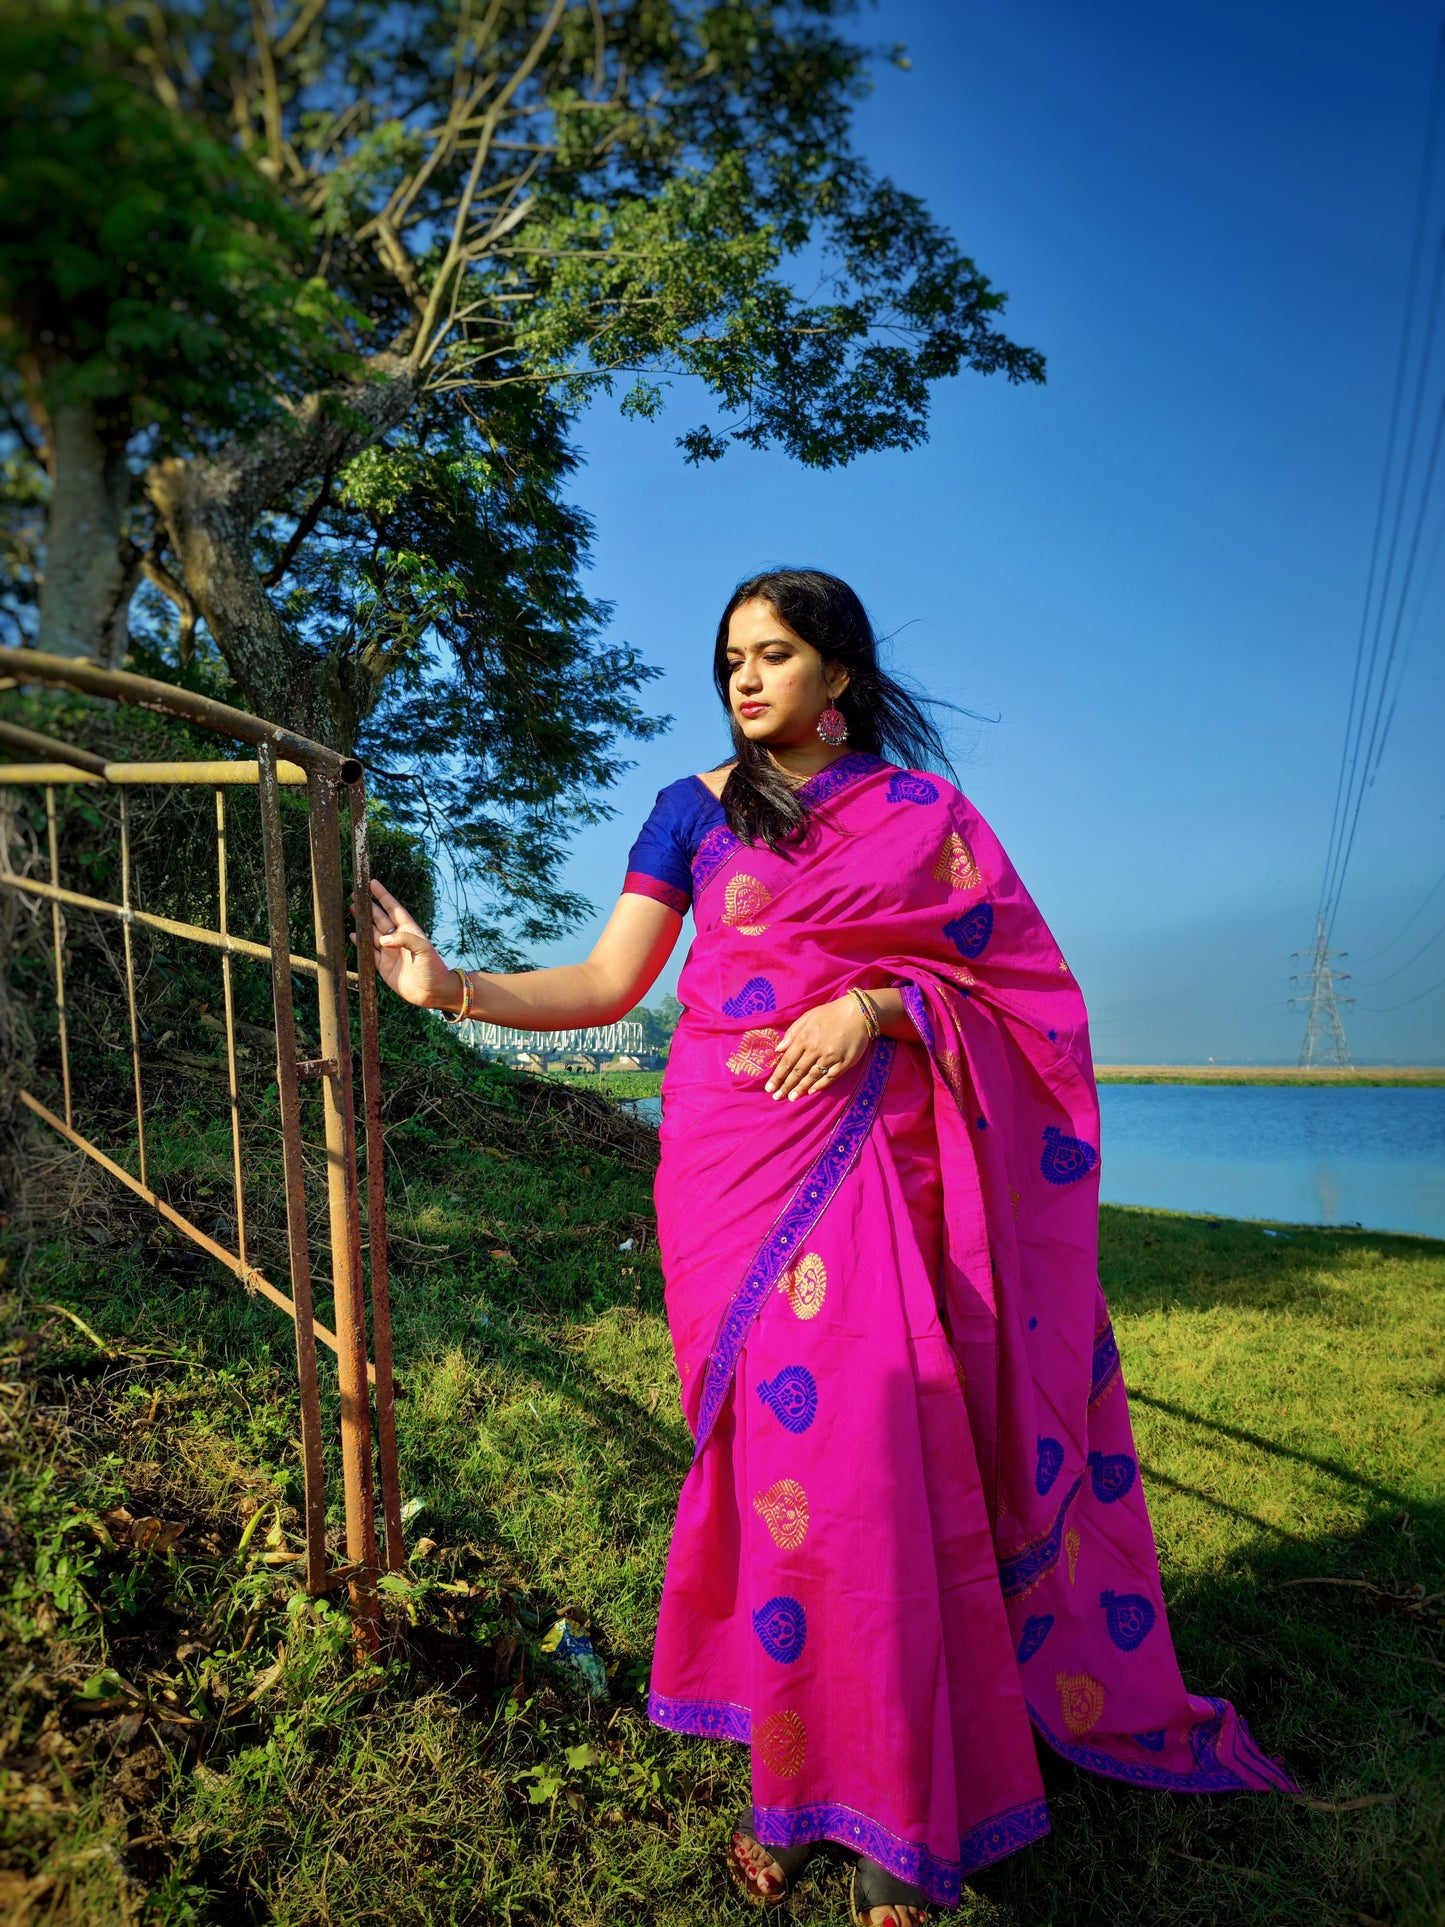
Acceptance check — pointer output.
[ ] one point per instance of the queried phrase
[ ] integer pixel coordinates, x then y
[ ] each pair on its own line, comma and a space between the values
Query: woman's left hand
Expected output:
818, 1048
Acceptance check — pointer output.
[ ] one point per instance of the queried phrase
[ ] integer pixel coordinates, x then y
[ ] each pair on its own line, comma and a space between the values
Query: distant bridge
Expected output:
596, 1042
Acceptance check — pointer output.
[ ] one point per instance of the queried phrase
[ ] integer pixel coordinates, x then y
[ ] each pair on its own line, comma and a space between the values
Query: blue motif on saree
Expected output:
782, 1628
791, 1395
1066, 1159
839, 776
969, 934
1153, 1740
1037, 1628
756, 996
908, 787
1020, 1571
1112, 1475
802, 1212
1129, 1617
1051, 1457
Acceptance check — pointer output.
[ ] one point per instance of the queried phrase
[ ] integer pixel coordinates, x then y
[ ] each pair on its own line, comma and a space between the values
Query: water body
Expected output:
1343, 1155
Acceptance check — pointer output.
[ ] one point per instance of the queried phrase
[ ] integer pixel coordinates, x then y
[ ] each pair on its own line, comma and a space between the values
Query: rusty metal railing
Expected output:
282, 759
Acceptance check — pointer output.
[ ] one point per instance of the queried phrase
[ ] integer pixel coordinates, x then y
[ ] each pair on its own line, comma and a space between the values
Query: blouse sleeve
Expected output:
660, 863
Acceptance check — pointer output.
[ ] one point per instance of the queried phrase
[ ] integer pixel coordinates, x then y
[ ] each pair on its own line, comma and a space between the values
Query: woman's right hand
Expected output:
407, 960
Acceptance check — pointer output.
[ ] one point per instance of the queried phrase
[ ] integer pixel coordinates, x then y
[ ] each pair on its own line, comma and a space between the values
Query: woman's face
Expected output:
778, 685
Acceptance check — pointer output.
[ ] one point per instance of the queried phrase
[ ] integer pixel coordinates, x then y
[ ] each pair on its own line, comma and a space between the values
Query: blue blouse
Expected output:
660, 863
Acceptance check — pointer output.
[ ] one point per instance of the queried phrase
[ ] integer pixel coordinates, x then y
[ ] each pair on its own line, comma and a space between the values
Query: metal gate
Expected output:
328, 779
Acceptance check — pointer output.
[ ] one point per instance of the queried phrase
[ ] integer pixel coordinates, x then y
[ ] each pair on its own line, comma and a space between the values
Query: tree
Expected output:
439, 228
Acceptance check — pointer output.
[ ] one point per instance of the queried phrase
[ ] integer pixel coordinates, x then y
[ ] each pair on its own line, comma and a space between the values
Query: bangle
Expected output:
466, 1010
869, 1010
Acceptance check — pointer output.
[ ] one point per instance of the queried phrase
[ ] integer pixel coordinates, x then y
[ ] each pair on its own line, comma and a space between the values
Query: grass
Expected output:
189, 1741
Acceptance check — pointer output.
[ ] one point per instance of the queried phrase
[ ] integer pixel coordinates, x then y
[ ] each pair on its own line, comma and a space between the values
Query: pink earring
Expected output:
833, 726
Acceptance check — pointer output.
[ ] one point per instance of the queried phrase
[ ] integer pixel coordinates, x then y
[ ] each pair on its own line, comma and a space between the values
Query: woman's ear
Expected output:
835, 680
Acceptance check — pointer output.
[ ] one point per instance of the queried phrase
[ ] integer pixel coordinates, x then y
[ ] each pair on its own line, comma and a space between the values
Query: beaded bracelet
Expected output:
869, 1010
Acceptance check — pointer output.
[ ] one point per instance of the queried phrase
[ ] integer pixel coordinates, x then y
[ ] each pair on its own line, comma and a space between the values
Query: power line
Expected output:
1381, 1010
1422, 200
1414, 914
1401, 968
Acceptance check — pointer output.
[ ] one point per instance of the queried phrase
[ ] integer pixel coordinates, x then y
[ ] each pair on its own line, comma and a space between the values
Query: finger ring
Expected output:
831, 1070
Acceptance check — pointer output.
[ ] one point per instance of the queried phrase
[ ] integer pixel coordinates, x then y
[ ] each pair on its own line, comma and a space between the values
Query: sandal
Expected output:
790, 1862
873, 1886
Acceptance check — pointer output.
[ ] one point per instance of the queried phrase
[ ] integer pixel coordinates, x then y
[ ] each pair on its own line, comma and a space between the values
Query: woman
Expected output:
913, 1531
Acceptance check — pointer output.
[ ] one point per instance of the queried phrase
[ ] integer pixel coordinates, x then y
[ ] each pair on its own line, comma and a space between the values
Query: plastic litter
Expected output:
567, 1641
627, 1244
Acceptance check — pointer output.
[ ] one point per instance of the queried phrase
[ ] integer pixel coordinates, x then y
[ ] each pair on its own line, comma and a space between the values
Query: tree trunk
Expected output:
211, 504
90, 566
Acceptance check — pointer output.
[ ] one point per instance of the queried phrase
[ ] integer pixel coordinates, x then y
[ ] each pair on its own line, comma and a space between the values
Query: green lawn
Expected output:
188, 1740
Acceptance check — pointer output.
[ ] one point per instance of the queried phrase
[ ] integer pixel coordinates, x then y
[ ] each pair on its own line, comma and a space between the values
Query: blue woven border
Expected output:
1018, 1571
705, 1719
942, 1880
1209, 1774
793, 1225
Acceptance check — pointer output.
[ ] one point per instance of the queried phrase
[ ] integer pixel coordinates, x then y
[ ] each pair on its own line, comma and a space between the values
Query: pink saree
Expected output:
914, 1528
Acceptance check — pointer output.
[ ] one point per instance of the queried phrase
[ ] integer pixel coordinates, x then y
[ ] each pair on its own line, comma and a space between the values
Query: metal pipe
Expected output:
237, 946
32, 666
375, 1182
237, 1181
289, 1103
55, 938
35, 744
343, 1200
125, 930
252, 1279
239, 772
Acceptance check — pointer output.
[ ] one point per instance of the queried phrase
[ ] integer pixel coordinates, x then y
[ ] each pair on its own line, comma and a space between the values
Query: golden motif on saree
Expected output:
783, 1509
955, 865
755, 1053
1071, 1547
743, 904
1082, 1699
781, 1741
805, 1285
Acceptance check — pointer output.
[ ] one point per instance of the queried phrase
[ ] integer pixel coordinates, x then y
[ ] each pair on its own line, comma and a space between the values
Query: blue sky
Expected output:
1150, 570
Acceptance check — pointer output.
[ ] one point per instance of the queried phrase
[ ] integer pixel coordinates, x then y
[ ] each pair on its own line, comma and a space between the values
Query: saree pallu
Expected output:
914, 1528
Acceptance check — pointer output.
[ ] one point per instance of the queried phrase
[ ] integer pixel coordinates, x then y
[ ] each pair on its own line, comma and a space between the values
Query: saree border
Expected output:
1209, 1773
942, 1880
794, 1223
702, 1719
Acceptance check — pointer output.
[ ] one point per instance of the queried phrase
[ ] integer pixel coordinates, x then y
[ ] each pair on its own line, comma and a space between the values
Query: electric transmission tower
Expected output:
1324, 1027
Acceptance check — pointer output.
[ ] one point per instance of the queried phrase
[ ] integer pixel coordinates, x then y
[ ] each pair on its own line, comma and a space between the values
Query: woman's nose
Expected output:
748, 676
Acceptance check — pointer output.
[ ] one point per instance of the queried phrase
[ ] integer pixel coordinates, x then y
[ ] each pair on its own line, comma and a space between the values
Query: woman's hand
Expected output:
818, 1048
406, 958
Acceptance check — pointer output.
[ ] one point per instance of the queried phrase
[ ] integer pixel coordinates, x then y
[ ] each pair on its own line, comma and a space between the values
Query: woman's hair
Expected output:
883, 718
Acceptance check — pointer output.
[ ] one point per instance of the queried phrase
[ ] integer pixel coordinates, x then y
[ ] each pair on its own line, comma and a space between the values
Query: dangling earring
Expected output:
833, 726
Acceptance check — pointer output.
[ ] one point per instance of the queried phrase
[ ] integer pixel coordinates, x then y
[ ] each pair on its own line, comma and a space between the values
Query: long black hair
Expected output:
883, 718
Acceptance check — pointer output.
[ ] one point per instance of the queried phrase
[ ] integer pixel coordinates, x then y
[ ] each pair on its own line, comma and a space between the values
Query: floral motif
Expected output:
1051, 1463
791, 1395
744, 903
969, 934
1037, 1628
755, 1053
1112, 1476
781, 1742
1082, 1699
951, 1070
905, 786
756, 997
782, 1629
805, 1285
1129, 1617
955, 865
1066, 1159
783, 1509
1071, 1548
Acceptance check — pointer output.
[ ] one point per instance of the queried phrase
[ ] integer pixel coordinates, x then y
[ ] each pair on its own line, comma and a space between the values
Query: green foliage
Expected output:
144, 262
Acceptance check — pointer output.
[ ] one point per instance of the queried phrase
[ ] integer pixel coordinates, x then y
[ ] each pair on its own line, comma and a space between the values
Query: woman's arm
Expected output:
622, 968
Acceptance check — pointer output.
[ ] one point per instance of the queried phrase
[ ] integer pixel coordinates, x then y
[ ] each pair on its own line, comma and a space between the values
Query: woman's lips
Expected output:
751, 709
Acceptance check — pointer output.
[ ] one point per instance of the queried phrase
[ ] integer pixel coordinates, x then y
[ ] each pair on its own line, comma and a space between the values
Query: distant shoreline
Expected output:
1378, 1074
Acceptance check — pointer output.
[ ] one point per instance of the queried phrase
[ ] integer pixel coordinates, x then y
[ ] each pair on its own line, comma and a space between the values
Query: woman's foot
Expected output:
757, 1870
881, 1899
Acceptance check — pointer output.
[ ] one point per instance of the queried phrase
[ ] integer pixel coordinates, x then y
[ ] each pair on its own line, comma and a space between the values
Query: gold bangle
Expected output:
466, 1010
869, 1010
